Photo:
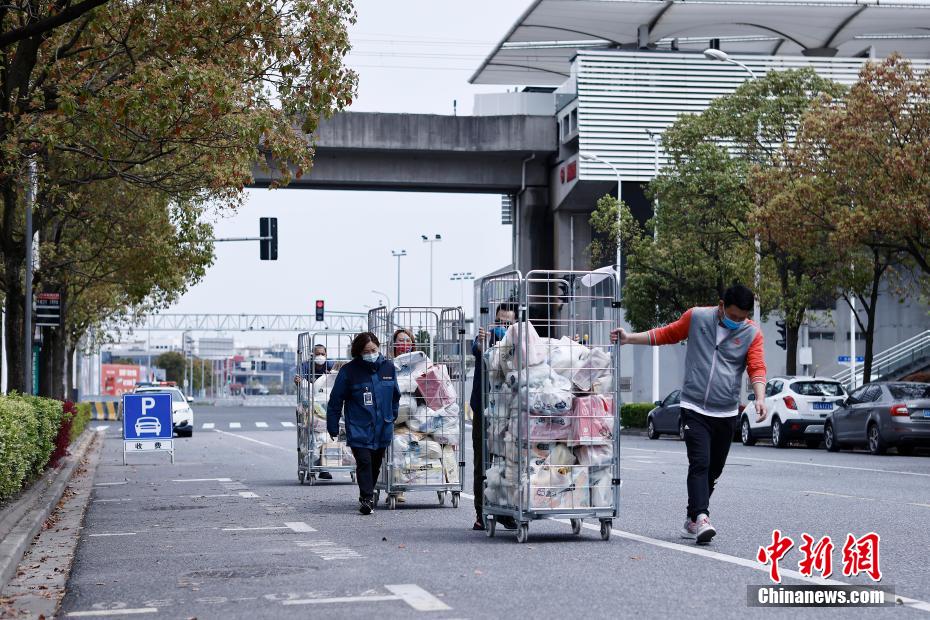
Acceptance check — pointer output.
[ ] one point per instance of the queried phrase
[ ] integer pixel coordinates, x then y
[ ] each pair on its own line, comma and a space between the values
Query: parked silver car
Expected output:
881, 415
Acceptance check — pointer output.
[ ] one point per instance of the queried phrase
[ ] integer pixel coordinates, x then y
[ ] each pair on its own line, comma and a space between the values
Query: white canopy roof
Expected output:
540, 45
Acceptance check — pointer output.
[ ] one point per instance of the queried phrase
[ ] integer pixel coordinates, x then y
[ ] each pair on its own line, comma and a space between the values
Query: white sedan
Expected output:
797, 408
182, 416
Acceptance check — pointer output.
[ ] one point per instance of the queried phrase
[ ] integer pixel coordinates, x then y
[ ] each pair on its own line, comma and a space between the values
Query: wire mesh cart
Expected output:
316, 452
428, 349
551, 400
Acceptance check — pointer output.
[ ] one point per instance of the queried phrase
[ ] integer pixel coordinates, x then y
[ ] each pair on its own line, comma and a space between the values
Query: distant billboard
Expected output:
215, 348
118, 379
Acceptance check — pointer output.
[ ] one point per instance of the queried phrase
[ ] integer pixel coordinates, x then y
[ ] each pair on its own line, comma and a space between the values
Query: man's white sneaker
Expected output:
689, 529
705, 531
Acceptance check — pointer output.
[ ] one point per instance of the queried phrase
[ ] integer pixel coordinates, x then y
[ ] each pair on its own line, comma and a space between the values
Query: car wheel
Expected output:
681, 429
746, 433
905, 450
877, 444
829, 439
651, 430
778, 434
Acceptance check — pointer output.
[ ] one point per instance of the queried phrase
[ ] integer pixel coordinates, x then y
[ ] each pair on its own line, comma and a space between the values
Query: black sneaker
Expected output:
325, 475
365, 506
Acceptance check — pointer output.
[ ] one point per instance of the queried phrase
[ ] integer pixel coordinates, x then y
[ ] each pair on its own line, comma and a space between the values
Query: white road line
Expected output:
868, 499
110, 484
255, 529
203, 479
261, 424
341, 599
113, 534
299, 526
786, 462
270, 445
247, 494
207, 426
287, 424
116, 499
916, 504
235, 425
111, 612
213, 495
418, 598
100, 429
732, 559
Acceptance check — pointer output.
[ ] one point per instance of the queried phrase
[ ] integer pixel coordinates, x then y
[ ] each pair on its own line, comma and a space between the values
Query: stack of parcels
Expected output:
325, 453
428, 426
558, 411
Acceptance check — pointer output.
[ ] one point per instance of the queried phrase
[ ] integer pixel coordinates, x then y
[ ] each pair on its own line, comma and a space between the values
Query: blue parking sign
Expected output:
147, 416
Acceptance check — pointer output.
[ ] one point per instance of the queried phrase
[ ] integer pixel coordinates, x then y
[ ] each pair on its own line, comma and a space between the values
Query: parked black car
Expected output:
881, 415
665, 419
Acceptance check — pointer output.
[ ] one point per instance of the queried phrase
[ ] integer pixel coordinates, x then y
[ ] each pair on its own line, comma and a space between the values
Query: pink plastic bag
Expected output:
592, 420
436, 387
549, 428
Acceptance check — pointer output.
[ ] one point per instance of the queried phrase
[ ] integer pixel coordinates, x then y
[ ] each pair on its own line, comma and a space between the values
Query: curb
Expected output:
22, 520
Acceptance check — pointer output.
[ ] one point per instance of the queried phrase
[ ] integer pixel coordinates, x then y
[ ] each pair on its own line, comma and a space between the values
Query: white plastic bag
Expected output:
547, 399
523, 337
406, 406
567, 356
599, 364
538, 375
410, 366
595, 455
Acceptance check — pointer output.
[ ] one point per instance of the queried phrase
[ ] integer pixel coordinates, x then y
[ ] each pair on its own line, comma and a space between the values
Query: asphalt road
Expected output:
226, 532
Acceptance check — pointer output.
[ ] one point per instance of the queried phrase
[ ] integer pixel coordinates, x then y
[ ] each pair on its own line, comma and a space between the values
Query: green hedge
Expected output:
28, 428
633, 415
80, 420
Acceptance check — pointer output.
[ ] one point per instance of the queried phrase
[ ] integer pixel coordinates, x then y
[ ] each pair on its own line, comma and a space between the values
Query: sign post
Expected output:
147, 424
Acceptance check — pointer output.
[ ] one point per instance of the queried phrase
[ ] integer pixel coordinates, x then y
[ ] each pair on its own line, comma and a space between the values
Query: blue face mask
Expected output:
371, 358
730, 323
499, 331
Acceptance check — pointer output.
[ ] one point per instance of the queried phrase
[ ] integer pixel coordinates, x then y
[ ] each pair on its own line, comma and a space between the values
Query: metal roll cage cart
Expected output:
312, 398
551, 400
426, 451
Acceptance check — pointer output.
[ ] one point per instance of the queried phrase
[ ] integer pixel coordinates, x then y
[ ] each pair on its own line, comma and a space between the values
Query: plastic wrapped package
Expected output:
560, 455
566, 356
548, 428
321, 388
603, 385
551, 488
436, 387
592, 422
595, 455
537, 376
547, 399
406, 406
450, 464
409, 367
532, 349
598, 364
600, 481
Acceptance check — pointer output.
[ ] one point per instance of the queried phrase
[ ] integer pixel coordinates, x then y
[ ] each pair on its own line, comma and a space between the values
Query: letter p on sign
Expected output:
148, 403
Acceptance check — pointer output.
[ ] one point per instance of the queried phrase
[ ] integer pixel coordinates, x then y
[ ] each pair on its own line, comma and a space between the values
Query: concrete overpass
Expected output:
510, 154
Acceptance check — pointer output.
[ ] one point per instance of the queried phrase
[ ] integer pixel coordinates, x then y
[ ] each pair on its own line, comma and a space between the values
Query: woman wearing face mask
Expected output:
403, 342
365, 392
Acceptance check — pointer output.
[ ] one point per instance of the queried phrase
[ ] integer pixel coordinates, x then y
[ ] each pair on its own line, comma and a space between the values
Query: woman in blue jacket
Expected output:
365, 392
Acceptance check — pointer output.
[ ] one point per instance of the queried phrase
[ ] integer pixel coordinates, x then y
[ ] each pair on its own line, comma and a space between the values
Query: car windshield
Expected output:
817, 388
176, 396
909, 391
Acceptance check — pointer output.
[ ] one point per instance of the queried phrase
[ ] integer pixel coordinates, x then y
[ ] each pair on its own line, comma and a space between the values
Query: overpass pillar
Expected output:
533, 234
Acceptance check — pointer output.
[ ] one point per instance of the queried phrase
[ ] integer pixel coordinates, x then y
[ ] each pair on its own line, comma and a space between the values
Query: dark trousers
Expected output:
477, 446
708, 442
367, 469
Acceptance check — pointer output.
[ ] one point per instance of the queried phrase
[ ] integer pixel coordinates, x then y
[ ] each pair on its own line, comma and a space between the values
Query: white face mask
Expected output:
371, 357
319, 360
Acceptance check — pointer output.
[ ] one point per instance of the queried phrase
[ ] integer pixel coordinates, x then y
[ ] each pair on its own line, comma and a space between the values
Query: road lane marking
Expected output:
263, 443
732, 559
786, 462
201, 496
110, 484
261, 424
342, 599
100, 429
247, 494
203, 480
207, 426
299, 526
235, 425
295, 526
287, 424
112, 612
328, 550
418, 598
112, 534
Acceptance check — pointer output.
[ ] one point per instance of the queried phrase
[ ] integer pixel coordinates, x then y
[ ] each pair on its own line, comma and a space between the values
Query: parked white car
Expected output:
797, 409
182, 416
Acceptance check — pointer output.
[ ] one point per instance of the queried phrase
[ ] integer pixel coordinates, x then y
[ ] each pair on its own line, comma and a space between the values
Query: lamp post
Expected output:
721, 56
436, 239
397, 254
592, 157
461, 277
656, 138
386, 296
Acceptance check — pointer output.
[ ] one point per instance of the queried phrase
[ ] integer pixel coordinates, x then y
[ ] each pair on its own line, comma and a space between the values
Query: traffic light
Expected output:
783, 342
319, 309
268, 231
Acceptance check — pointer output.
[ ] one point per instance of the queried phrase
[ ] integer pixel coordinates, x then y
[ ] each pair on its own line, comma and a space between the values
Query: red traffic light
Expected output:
319, 303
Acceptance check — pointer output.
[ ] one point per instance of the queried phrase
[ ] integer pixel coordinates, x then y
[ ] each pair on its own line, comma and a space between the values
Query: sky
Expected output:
411, 56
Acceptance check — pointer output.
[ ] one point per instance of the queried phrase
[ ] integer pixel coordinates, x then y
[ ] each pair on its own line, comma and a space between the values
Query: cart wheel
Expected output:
352, 477
576, 526
442, 497
300, 476
392, 502
489, 526
311, 479
523, 533
605, 529
455, 500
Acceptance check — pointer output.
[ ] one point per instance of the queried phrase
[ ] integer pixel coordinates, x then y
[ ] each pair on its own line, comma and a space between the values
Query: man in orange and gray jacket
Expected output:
722, 344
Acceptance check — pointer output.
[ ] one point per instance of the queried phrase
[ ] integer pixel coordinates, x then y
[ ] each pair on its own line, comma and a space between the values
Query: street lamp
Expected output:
397, 255
592, 157
386, 296
721, 56
461, 277
436, 239
656, 138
